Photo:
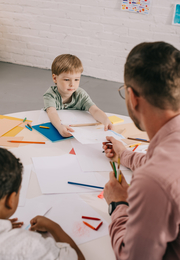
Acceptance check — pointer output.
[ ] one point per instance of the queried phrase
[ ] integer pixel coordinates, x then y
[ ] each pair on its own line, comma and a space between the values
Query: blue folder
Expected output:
52, 134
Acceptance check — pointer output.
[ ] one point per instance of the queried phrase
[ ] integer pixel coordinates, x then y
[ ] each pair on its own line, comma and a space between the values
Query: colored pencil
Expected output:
119, 176
138, 139
24, 119
90, 218
28, 127
46, 127
115, 172
135, 147
81, 184
92, 124
98, 226
112, 166
26, 142
141, 139
87, 224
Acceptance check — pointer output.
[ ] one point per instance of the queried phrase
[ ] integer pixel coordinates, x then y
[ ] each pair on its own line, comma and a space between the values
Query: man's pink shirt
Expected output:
149, 229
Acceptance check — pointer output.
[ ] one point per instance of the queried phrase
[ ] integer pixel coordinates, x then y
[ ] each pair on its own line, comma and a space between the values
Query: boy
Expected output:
24, 244
66, 74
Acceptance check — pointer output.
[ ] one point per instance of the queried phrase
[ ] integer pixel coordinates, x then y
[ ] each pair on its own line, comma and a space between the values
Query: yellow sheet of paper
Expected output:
115, 119
6, 125
4, 141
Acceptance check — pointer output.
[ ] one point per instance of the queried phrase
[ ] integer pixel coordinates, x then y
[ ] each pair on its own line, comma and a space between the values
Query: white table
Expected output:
97, 249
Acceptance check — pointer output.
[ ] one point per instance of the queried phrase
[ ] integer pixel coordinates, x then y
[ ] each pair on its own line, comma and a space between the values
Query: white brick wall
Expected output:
34, 32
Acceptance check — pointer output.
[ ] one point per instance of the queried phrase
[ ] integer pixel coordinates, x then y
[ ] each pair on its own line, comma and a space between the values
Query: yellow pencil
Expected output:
134, 144
41, 126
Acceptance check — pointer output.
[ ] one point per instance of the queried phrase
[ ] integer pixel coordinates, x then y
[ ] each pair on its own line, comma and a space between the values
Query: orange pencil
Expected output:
26, 142
89, 225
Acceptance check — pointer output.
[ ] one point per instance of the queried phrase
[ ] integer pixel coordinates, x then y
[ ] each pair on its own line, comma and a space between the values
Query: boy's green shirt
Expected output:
80, 100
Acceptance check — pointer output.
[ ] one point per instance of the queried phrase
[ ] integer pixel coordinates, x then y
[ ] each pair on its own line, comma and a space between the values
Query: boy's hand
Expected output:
40, 223
64, 130
16, 224
108, 125
114, 148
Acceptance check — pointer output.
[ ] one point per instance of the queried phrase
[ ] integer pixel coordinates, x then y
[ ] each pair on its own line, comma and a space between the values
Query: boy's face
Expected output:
67, 83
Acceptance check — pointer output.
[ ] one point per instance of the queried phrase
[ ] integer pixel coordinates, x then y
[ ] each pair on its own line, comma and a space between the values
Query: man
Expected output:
146, 215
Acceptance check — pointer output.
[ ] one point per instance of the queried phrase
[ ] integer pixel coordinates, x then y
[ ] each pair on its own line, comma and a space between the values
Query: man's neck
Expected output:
154, 119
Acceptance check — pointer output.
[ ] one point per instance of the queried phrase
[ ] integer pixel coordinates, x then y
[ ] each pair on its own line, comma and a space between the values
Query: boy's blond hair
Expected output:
66, 63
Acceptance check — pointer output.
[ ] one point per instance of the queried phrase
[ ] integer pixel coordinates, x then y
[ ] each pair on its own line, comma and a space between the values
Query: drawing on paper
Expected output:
141, 6
79, 229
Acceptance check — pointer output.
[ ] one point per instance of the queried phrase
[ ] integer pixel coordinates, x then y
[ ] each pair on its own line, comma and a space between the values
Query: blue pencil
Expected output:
28, 127
81, 184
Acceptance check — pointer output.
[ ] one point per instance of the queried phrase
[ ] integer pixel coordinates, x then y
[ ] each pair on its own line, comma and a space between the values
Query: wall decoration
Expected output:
140, 6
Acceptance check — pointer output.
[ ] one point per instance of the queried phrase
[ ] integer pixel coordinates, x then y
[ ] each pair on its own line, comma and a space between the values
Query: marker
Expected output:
28, 127
81, 184
90, 218
46, 127
24, 119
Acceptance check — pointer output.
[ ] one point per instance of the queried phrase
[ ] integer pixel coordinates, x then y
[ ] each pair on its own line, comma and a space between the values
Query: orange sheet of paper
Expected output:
4, 141
6, 125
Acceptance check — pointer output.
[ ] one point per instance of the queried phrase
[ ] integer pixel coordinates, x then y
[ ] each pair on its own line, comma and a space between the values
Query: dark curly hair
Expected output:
154, 67
10, 173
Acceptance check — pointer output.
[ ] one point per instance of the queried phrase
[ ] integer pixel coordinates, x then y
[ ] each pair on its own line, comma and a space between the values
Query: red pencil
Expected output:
98, 226
135, 148
89, 225
91, 218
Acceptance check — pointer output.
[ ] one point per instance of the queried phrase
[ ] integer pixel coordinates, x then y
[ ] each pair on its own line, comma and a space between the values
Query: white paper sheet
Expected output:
69, 117
32, 208
91, 158
24, 186
68, 210
54, 172
93, 135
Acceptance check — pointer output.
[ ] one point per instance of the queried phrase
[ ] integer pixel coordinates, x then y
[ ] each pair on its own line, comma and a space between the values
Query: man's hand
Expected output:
115, 191
63, 129
40, 223
114, 148
16, 224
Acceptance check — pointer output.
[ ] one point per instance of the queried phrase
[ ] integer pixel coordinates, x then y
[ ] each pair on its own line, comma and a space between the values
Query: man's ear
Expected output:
133, 99
54, 77
10, 200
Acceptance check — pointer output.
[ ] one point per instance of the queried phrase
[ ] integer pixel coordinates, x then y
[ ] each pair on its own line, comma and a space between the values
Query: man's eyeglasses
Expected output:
121, 91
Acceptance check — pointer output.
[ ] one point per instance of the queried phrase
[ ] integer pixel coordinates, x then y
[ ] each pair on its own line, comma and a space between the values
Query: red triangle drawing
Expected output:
72, 151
